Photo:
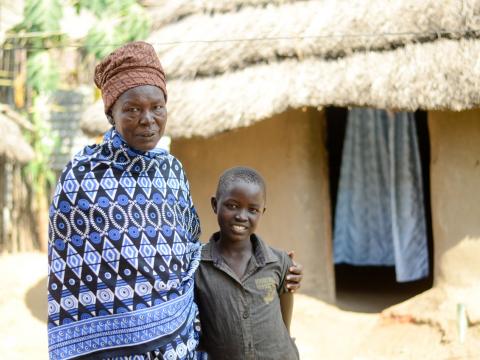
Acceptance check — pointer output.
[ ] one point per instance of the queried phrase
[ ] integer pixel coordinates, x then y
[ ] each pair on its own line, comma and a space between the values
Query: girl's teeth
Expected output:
238, 228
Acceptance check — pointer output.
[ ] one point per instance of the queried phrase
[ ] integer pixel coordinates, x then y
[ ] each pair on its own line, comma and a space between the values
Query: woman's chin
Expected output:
144, 144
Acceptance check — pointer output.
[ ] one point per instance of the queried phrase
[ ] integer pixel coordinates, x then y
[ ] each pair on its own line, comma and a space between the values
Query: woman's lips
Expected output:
147, 135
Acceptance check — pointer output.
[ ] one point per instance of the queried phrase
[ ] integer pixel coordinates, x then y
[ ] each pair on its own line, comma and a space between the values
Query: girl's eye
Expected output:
231, 206
254, 211
159, 108
133, 110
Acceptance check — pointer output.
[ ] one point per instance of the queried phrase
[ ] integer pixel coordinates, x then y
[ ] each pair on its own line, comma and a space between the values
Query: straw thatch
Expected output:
330, 29
12, 143
238, 62
164, 12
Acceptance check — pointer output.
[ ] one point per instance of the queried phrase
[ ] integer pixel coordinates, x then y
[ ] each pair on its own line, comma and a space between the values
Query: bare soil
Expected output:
322, 331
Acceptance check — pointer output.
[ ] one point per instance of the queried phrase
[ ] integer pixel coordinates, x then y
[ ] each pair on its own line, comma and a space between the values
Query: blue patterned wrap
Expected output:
122, 254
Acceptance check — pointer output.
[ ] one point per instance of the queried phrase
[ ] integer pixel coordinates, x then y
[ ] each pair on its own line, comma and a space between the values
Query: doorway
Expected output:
374, 288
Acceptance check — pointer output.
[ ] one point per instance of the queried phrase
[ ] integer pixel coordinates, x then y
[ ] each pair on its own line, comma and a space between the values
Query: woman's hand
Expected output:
295, 274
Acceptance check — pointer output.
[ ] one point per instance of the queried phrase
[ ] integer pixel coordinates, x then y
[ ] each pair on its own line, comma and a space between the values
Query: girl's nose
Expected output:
241, 215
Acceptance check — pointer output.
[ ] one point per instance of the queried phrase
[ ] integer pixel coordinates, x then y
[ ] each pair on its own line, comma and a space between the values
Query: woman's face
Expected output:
140, 115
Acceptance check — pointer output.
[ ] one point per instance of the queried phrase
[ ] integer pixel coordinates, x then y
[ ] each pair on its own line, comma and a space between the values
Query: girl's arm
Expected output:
286, 305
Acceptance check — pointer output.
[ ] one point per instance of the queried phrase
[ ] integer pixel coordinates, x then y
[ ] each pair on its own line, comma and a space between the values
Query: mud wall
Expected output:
455, 193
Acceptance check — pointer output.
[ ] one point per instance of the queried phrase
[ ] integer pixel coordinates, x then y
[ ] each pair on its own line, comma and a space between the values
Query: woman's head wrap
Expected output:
131, 65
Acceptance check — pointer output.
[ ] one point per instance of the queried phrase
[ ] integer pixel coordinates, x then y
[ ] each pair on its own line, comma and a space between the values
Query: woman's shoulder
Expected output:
173, 159
79, 165
176, 166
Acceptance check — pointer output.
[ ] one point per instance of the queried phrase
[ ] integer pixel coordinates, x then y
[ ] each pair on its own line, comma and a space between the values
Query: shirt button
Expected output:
246, 314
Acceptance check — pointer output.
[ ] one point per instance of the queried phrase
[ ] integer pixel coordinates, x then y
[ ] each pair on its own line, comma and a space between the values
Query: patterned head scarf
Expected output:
129, 66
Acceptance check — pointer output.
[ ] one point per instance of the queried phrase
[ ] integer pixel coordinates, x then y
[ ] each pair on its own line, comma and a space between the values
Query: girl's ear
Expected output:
213, 201
264, 209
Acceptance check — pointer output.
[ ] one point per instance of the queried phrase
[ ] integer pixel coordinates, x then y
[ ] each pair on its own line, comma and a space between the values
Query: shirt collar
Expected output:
261, 251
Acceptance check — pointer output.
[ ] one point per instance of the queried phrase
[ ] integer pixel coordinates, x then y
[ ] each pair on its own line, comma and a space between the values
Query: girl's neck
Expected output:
235, 248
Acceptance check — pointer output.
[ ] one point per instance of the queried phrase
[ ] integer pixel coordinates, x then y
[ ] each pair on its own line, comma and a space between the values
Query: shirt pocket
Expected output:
266, 288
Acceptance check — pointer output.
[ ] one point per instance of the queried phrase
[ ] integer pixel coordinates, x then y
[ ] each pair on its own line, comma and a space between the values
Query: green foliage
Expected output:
102, 39
42, 15
43, 72
42, 20
43, 143
119, 23
135, 25
104, 8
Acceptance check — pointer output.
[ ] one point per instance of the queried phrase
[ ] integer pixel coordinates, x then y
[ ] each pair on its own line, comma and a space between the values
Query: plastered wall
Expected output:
455, 194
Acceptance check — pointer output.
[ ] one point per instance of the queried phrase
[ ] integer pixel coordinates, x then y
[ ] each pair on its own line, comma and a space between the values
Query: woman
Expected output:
123, 230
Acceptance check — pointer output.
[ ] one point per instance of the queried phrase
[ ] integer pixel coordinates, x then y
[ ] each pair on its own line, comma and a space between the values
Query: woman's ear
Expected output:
213, 201
264, 209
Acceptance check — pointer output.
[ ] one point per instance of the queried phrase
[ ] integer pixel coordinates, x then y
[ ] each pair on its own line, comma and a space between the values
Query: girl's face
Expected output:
140, 116
238, 210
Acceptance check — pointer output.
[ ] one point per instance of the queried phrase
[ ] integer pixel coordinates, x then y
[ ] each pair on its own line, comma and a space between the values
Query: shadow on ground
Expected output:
371, 289
36, 300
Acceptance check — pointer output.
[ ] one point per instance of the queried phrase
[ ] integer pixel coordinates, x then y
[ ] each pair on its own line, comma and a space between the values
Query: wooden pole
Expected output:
3, 230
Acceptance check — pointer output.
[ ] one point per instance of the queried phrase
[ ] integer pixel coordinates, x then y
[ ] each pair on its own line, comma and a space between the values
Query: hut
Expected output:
17, 232
252, 82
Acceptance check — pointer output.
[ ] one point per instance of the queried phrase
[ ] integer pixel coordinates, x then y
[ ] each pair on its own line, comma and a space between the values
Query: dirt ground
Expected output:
322, 331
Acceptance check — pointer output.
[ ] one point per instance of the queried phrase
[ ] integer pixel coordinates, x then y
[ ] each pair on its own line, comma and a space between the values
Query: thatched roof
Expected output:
231, 63
12, 143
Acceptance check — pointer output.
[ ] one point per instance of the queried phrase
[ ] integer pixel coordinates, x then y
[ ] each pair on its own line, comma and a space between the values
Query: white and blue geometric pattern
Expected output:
128, 183
111, 255
90, 186
122, 255
74, 260
129, 252
92, 258
109, 184
57, 266
70, 186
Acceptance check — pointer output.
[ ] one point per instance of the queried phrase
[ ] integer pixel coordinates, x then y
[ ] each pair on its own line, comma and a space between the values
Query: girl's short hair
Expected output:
242, 173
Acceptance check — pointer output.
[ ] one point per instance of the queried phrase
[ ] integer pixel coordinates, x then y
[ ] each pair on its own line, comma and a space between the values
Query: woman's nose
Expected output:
147, 117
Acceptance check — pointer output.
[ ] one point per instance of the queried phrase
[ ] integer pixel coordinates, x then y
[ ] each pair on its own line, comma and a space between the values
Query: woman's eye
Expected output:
231, 206
159, 108
254, 211
133, 110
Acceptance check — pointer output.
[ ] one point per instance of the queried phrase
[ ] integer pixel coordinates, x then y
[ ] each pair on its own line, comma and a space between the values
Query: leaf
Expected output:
42, 72
102, 39
106, 8
135, 25
42, 15
124, 21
